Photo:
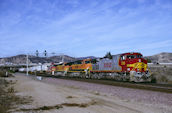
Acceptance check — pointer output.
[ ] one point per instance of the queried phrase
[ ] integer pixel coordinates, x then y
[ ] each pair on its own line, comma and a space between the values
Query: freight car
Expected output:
124, 67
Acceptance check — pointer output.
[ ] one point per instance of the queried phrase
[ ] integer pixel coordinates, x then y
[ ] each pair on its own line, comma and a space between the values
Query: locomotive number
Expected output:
107, 65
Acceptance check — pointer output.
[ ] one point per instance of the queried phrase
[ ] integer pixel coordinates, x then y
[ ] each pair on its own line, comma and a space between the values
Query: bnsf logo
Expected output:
107, 65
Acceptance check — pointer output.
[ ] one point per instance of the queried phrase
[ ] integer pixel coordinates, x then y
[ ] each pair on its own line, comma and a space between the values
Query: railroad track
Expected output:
167, 88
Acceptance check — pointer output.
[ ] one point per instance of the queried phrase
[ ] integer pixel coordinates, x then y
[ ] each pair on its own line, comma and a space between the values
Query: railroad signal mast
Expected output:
37, 53
45, 53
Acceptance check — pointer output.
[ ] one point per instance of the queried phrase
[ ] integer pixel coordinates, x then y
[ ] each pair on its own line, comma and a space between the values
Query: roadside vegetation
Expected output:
5, 74
8, 100
58, 106
162, 74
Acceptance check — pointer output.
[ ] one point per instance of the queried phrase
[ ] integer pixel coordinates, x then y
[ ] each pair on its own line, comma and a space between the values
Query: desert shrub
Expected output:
2, 74
162, 74
11, 71
5, 74
163, 79
153, 78
8, 99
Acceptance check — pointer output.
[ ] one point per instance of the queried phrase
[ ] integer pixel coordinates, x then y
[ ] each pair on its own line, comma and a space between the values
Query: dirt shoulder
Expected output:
59, 98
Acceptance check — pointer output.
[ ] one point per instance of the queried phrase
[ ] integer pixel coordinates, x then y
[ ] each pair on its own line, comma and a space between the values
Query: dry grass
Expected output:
96, 93
8, 100
83, 105
58, 106
42, 108
70, 97
3, 74
162, 74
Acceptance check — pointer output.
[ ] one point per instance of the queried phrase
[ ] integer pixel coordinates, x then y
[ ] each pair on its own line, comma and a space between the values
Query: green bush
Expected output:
2, 74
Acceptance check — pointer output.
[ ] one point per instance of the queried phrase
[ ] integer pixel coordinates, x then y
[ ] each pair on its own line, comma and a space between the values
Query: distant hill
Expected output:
161, 58
54, 59
91, 57
21, 59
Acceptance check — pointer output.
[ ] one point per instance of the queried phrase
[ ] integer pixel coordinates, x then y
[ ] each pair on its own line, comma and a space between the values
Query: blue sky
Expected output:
85, 27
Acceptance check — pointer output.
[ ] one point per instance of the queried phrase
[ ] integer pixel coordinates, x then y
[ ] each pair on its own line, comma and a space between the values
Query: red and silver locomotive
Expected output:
125, 67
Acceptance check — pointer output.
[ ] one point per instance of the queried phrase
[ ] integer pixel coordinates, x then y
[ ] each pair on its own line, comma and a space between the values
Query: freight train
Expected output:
124, 67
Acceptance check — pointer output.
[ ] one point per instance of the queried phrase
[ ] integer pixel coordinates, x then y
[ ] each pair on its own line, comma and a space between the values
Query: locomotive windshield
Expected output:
87, 62
139, 56
131, 56
134, 56
93, 61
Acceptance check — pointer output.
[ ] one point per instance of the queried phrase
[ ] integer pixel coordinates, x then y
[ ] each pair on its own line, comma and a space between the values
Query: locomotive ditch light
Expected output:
137, 69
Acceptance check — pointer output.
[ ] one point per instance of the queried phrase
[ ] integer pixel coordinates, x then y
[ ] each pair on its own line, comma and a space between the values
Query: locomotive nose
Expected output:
142, 66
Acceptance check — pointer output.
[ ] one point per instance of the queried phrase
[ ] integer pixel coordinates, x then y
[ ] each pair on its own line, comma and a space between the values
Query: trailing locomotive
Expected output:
123, 67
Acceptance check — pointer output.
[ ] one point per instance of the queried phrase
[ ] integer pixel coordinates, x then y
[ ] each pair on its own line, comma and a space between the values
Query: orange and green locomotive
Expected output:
125, 67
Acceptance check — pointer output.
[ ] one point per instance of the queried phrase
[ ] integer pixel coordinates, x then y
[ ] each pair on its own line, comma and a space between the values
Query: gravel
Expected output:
120, 92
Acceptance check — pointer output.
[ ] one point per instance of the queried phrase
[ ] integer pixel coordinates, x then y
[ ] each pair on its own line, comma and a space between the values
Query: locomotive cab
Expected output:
133, 62
135, 65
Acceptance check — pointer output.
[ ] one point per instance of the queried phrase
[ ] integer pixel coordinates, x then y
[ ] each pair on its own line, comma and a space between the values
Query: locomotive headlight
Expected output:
139, 60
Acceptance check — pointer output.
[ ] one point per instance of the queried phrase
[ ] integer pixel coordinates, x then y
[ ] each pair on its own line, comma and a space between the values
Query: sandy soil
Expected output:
50, 94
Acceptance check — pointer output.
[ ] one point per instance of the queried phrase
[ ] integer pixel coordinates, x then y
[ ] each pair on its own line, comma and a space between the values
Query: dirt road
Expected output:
59, 98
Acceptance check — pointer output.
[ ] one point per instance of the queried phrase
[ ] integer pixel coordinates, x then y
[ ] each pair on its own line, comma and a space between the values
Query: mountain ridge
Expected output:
163, 57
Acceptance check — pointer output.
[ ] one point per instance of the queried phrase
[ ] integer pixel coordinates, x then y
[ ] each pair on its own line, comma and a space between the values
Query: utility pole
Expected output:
62, 58
27, 63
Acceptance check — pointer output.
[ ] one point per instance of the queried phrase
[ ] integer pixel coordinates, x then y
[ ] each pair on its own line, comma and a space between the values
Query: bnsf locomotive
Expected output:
123, 67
